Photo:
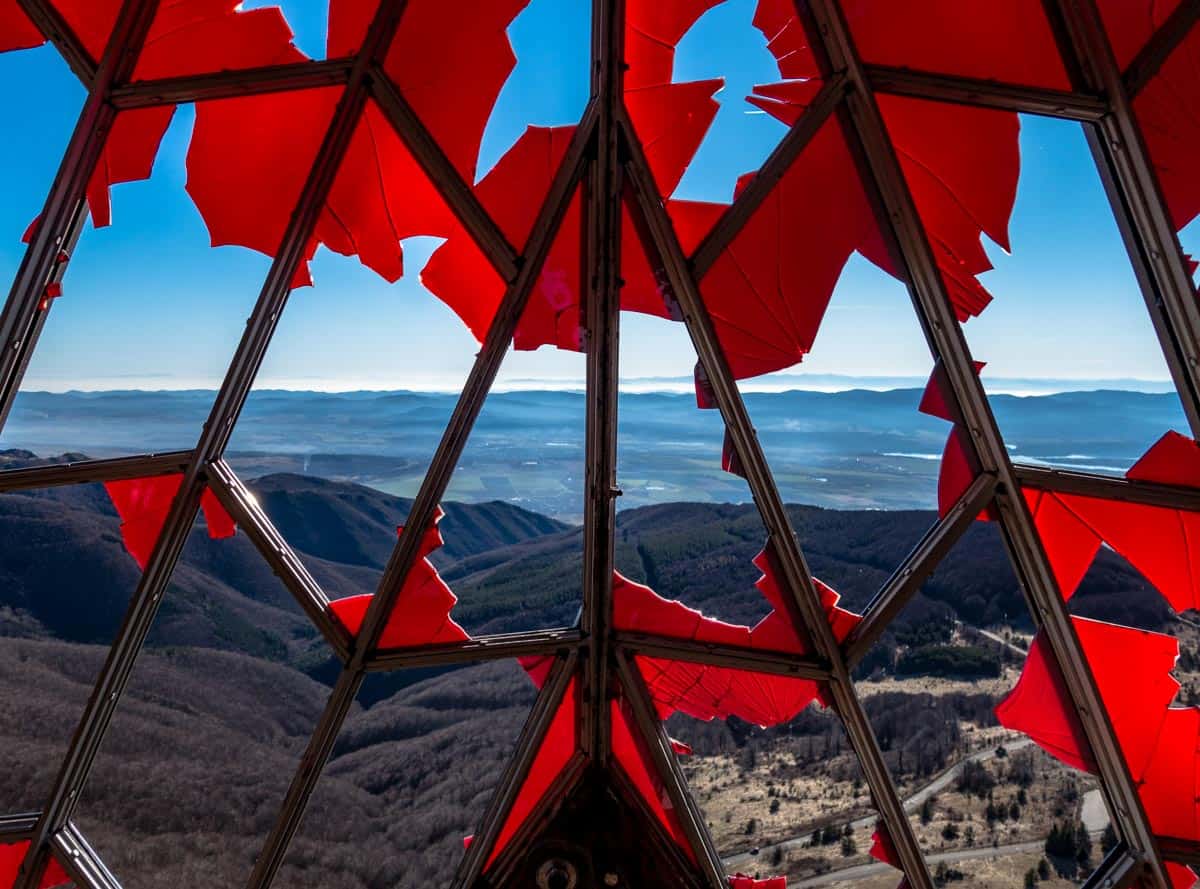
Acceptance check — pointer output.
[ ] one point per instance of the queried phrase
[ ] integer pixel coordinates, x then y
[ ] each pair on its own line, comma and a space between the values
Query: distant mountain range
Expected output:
825, 382
857, 448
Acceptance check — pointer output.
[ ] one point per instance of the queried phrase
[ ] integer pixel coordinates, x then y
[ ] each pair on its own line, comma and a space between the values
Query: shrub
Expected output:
963, 661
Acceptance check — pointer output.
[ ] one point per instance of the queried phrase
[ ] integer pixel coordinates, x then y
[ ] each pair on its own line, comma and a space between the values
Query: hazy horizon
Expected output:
673, 385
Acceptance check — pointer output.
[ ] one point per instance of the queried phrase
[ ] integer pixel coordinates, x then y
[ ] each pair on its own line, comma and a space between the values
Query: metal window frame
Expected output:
606, 161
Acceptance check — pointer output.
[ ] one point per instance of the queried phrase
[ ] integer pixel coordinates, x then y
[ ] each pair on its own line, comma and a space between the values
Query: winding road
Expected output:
874, 868
911, 804
1093, 814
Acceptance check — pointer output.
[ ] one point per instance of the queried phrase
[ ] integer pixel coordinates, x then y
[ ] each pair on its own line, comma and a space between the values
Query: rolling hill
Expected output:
224, 697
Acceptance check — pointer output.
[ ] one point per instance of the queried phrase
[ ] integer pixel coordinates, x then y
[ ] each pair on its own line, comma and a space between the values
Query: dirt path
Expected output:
911, 804
1093, 813
862, 871
997, 638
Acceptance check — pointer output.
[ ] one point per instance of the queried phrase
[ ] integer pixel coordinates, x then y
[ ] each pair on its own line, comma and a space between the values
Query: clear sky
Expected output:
148, 304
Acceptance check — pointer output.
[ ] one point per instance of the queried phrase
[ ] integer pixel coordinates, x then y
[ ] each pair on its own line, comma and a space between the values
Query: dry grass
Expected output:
774, 797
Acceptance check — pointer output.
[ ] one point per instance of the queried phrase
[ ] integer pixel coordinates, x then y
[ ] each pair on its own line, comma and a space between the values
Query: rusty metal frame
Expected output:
1156, 51
605, 158
81, 862
232, 84
14, 828
1181, 851
734, 657
802, 598
1120, 869
477, 649
986, 93
243, 508
906, 580
687, 810
533, 733
601, 288
80, 472
1135, 194
54, 28
1107, 487
898, 215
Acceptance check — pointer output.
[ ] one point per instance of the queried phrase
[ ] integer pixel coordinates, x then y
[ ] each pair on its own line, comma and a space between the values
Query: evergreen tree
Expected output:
1108, 840
927, 810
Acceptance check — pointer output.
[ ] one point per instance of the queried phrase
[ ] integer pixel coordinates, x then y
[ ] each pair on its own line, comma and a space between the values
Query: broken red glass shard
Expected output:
1172, 460
143, 504
420, 614
245, 187
537, 667
768, 300
1040, 706
1160, 743
128, 156
882, 847
201, 36
184, 38
787, 100
786, 39
768, 291
11, 856
959, 467
349, 21
1181, 877
555, 752
653, 28
16, 30
1009, 41
708, 692
451, 63
670, 118
1131, 25
1169, 785
459, 275
671, 121
741, 881
629, 750
680, 748
1160, 542
91, 21
1069, 543
1168, 109
380, 197
962, 166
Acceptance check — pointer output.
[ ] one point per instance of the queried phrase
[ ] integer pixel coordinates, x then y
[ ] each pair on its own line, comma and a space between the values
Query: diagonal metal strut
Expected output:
803, 600
877, 159
114, 675
407, 549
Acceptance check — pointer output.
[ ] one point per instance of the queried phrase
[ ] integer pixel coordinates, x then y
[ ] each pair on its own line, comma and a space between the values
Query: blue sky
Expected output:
148, 304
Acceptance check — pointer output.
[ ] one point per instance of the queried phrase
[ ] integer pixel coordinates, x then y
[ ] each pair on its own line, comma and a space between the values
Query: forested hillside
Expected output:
224, 698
